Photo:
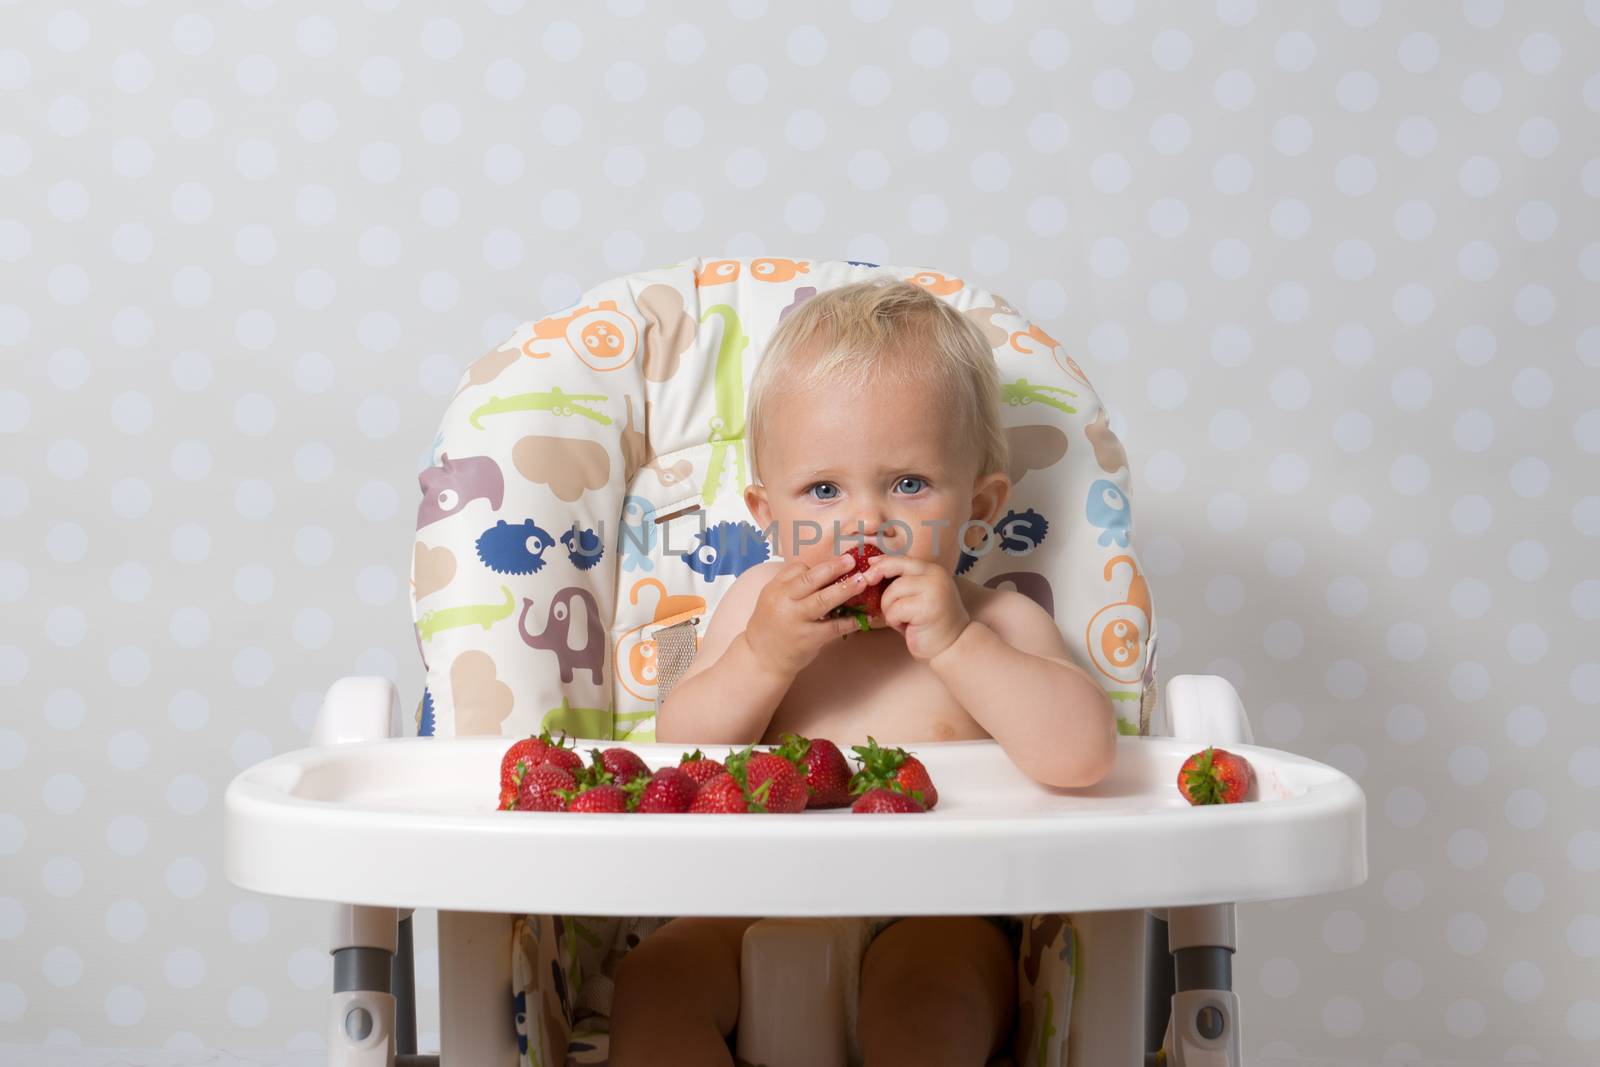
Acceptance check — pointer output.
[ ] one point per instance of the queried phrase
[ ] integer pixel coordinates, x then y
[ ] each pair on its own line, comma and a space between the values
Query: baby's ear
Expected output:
989, 496
755, 498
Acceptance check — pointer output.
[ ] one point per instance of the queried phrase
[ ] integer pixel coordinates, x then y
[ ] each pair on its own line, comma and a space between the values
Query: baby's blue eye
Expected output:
920, 483
823, 485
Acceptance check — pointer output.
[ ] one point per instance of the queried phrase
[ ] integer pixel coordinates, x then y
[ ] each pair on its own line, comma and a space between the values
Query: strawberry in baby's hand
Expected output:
826, 773
699, 767
879, 801
894, 769
667, 792
1213, 776
865, 603
772, 783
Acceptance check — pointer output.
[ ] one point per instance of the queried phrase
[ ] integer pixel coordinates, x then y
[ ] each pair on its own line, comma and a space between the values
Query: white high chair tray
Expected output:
412, 822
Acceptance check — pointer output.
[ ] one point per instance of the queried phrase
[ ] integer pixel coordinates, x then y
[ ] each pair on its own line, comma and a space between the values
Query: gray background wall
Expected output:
1332, 266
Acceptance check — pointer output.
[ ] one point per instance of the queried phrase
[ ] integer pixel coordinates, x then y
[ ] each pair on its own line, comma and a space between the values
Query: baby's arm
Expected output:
769, 625
1015, 678
727, 696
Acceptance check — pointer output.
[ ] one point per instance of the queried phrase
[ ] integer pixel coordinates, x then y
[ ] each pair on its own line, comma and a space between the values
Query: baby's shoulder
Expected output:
1005, 611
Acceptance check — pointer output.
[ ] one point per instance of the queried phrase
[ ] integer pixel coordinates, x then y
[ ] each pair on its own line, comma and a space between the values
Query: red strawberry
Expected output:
866, 602
723, 795
1213, 776
604, 797
826, 772
540, 788
624, 765
667, 792
564, 756
520, 758
893, 768
699, 767
772, 783
880, 801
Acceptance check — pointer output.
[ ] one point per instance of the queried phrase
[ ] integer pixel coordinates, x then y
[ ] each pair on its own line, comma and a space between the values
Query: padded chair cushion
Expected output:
586, 488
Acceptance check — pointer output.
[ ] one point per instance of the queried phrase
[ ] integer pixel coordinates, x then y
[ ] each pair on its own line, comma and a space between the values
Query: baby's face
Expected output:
890, 463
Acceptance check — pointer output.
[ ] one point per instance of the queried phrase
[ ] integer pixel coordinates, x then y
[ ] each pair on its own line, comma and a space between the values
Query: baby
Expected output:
874, 416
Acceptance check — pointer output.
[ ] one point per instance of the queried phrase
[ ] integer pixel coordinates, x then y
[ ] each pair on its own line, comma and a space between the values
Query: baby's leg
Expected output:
937, 990
677, 995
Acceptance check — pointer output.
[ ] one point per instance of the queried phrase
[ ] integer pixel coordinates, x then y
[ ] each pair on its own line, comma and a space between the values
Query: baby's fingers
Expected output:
832, 595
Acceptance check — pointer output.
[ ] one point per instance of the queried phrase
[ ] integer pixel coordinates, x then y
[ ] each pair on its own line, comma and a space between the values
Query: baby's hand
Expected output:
922, 602
789, 624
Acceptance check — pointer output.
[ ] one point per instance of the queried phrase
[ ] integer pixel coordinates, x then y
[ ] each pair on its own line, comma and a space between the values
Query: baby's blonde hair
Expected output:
870, 333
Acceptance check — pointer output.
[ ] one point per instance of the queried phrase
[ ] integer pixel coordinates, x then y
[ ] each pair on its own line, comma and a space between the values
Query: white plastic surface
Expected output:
412, 822
1206, 709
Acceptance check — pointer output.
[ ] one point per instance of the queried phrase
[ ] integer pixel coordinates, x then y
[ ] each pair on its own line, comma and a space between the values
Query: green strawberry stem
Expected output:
1205, 785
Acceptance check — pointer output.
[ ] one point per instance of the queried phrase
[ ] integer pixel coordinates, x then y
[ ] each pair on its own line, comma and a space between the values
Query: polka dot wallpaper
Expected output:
1334, 267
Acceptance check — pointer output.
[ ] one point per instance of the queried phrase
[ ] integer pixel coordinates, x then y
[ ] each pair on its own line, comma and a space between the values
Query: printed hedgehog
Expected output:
726, 548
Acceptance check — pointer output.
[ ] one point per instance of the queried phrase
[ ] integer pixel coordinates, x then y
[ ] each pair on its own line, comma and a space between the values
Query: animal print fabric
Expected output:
585, 491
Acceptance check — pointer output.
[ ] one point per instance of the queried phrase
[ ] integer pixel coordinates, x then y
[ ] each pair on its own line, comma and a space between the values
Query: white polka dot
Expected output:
1165, 471
1584, 683
1523, 982
311, 968
1405, 807
1350, 514
1285, 557
1525, 725
125, 920
1283, 639
1288, 473
248, 1007
1530, 477
184, 968
1466, 933
249, 922
1464, 1018
1347, 679
1474, 431
1347, 596
1469, 765
1481, 92
1344, 932
1280, 977
186, 878
1343, 1016
1404, 890
1402, 979
1469, 682
1470, 598
1407, 641
1416, 136
1290, 390
1528, 560
1290, 219
1468, 850
1583, 936
124, 1006
1171, 49
1419, 52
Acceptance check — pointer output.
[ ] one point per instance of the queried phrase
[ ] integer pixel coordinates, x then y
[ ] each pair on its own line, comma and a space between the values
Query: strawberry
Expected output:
520, 758
826, 772
699, 767
892, 768
624, 765
723, 795
772, 783
1213, 776
563, 755
880, 801
866, 602
540, 789
604, 797
667, 792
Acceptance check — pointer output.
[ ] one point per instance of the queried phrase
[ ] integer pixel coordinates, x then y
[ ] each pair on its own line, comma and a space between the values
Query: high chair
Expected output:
582, 512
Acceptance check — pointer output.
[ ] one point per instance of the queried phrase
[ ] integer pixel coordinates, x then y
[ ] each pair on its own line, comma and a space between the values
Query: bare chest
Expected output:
869, 684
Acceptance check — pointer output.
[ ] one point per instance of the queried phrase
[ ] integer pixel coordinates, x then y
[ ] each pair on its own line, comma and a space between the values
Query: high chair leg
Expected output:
361, 1013
1107, 1021
1205, 1011
476, 1028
